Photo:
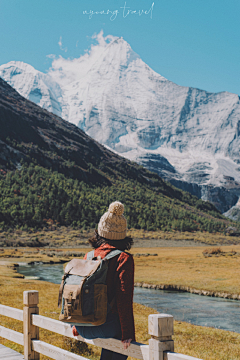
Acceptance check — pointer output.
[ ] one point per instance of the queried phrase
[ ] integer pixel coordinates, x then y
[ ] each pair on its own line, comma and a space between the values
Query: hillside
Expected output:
50, 169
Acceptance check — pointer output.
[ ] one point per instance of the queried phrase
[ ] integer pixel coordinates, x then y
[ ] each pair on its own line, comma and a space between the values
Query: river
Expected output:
195, 309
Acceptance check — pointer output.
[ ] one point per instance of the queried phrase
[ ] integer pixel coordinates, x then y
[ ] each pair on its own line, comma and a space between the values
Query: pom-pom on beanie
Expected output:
113, 225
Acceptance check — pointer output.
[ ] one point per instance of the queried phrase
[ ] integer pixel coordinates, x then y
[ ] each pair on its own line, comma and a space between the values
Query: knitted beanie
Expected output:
113, 225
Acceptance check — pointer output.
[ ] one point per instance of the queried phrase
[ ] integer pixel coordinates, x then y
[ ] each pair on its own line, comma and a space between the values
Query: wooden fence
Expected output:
160, 327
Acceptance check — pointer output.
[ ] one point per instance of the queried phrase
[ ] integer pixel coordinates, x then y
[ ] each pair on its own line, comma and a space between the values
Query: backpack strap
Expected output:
112, 254
61, 287
90, 255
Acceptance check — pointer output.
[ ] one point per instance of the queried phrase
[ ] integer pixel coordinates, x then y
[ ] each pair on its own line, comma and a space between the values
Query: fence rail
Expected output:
160, 327
11, 312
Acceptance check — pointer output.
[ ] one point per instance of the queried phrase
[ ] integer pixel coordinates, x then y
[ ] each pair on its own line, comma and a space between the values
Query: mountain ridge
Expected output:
118, 100
50, 169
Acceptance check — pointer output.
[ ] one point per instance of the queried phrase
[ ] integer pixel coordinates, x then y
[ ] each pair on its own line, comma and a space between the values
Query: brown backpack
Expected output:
83, 291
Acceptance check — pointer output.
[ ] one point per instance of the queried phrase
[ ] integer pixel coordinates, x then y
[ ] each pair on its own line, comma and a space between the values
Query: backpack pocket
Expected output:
69, 299
88, 300
100, 304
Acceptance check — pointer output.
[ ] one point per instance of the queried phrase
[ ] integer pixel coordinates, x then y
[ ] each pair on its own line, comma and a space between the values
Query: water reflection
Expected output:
199, 310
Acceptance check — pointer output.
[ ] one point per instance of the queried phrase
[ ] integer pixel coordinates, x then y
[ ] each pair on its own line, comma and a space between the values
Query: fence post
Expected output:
30, 301
160, 327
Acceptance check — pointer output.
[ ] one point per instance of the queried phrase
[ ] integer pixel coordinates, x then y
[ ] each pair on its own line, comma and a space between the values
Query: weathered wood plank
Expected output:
7, 353
160, 325
136, 350
176, 356
12, 357
11, 312
30, 301
11, 335
54, 352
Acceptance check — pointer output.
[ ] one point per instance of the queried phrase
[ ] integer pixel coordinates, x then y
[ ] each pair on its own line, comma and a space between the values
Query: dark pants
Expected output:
110, 329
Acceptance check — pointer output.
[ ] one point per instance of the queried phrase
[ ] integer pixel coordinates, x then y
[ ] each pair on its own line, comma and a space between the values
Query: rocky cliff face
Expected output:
189, 136
233, 213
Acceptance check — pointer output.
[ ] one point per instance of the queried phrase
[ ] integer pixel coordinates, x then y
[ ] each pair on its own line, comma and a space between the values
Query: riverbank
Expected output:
188, 289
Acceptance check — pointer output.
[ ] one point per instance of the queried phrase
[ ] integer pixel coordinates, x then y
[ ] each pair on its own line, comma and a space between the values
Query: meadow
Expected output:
183, 265
187, 266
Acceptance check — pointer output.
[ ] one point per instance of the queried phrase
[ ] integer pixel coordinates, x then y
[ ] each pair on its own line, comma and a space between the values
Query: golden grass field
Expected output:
178, 266
183, 266
187, 266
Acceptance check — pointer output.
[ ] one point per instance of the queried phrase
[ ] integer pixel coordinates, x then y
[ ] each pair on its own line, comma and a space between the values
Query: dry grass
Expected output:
68, 237
198, 341
201, 342
11, 295
188, 267
197, 237
213, 251
213, 273
219, 252
55, 237
30, 255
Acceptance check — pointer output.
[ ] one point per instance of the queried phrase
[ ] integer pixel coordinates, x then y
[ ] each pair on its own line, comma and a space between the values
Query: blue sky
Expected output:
191, 42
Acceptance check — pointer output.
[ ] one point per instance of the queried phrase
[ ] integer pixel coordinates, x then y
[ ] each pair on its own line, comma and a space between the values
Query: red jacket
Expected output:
120, 283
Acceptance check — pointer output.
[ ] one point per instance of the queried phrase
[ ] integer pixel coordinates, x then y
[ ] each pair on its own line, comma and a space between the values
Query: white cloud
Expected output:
51, 56
103, 41
61, 45
64, 71
60, 42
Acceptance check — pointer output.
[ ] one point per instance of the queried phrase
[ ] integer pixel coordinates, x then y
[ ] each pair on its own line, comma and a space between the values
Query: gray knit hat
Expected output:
113, 225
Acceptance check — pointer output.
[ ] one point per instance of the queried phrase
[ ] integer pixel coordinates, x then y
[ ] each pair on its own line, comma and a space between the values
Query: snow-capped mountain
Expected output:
33, 85
189, 136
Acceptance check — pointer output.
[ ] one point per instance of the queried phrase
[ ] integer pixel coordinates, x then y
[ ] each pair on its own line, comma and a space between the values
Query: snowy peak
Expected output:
33, 85
117, 54
14, 68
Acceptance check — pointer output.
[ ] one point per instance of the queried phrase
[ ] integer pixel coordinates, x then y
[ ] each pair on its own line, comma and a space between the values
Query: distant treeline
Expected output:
33, 197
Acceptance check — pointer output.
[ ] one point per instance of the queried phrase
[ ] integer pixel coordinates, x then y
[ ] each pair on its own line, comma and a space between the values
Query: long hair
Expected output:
122, 245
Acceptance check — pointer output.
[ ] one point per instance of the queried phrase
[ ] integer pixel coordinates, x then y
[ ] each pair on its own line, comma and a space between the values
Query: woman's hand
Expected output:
74, 331
126, 343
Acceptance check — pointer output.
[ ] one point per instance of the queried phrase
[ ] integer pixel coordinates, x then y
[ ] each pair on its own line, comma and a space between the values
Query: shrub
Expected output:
213, 251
